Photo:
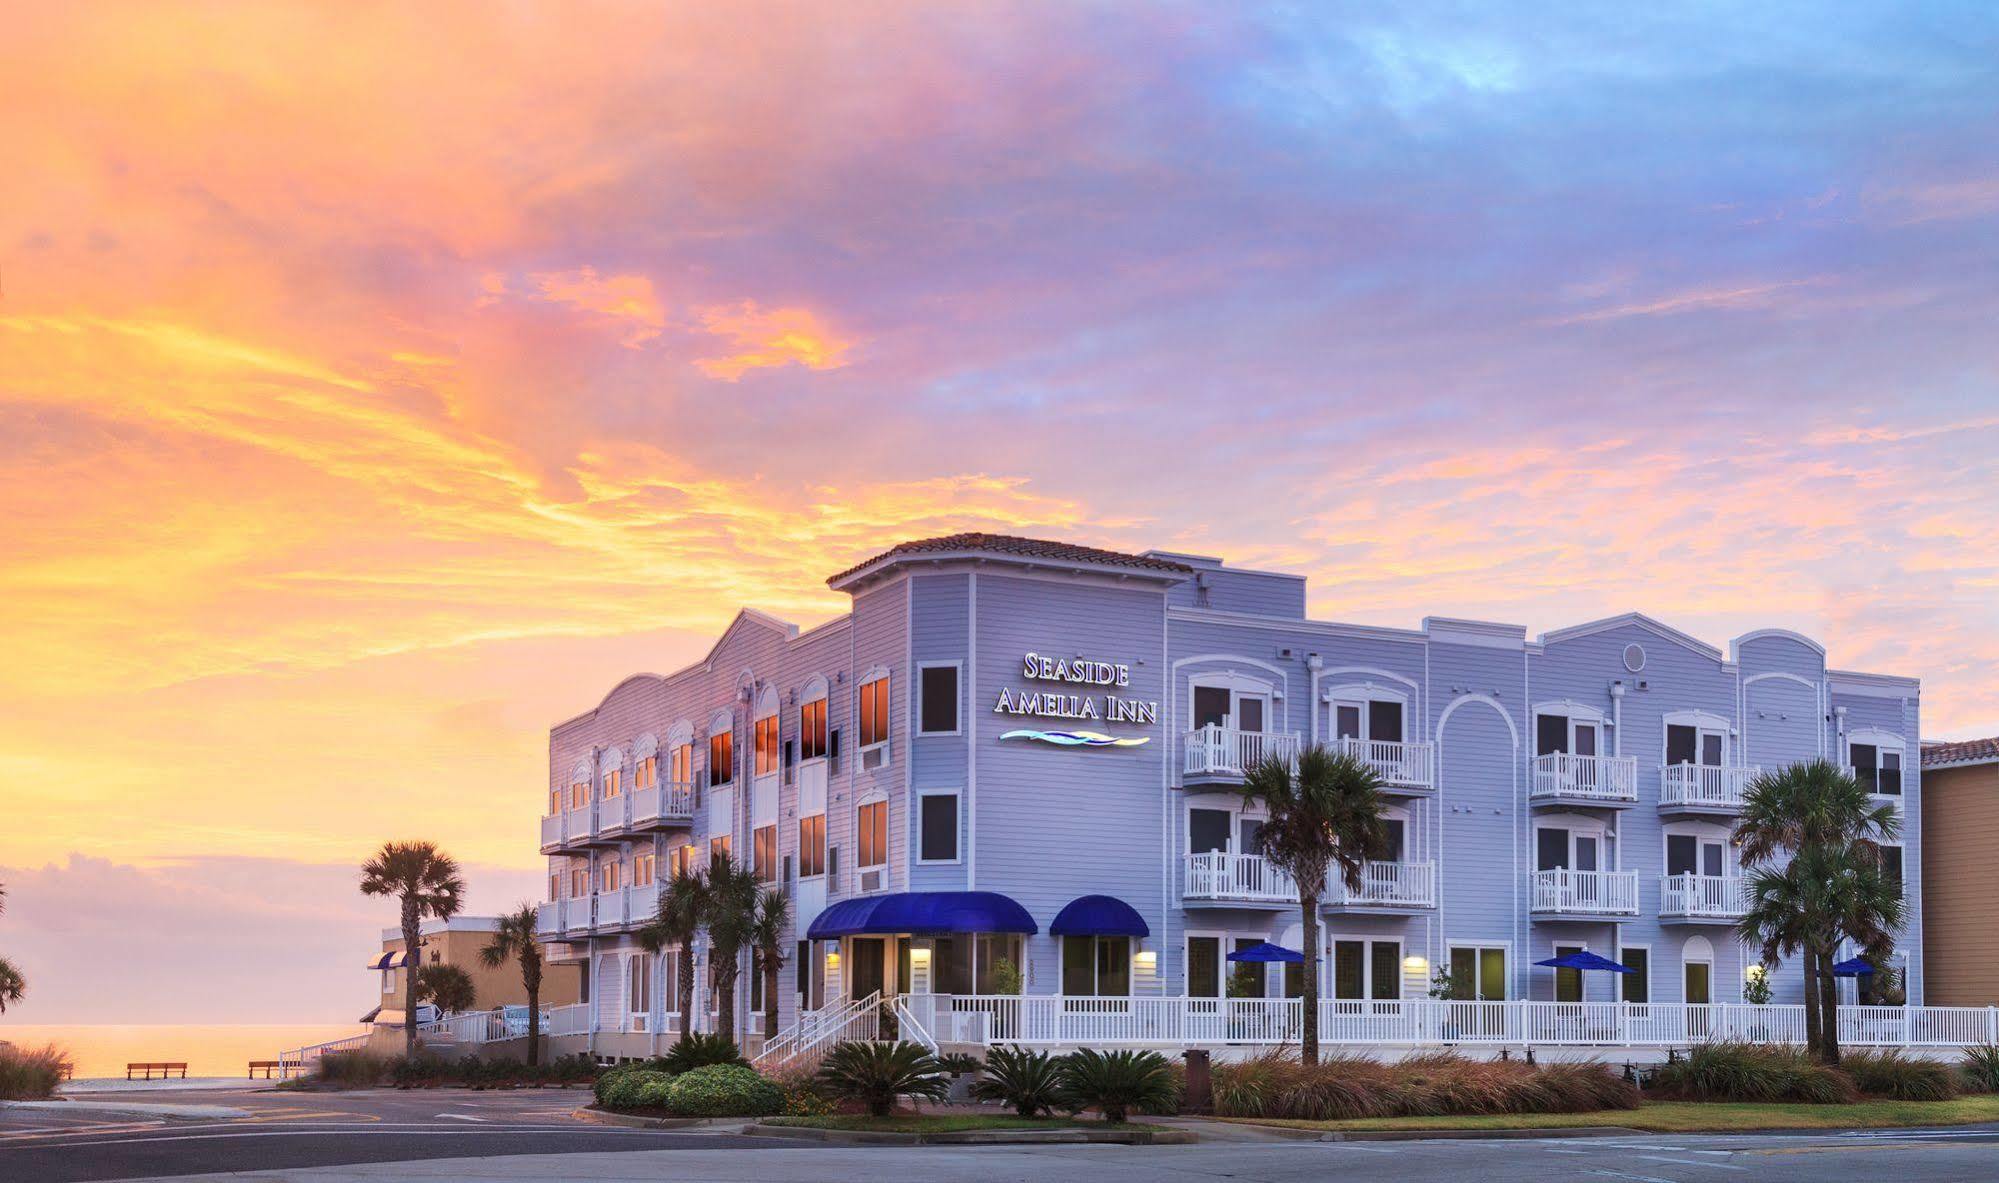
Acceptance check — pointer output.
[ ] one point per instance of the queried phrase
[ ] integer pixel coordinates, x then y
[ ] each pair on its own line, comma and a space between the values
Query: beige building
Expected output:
1960, 840
458, 942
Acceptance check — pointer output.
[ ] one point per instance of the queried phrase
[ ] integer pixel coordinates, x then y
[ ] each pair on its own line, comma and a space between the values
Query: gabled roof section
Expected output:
1969, 751
1657, 628
1006, 547
750, 617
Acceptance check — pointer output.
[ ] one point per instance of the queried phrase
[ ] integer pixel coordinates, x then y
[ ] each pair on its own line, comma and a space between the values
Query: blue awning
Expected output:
390, 961
922, 912
1099, 916
1856, 968
1265, 951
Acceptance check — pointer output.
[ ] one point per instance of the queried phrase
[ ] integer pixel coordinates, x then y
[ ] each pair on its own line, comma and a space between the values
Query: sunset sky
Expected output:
379, 385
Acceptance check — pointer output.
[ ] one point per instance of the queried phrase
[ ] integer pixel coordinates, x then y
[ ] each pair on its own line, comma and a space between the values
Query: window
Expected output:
1367, 969
1690, 854
763, 853
874, 712
554, 887
718, 850
1249, 979
721, 757
871, 824
939, 686
939, 828
613, 783
765, 745
1561, 733
639, 992
1878, 767
1557, 849
1478, 973
812, 730
644, 868
579, 882
579, 795
812, 845
645, 774
608, 876
680, 860
1099, 966
1687, 743
680, 764
1638, 983
1222, 706
1888, 858
1204, 967
554, 802
1377, 719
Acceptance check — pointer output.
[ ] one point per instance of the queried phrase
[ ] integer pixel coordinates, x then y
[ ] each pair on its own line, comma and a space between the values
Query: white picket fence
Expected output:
1183, 1022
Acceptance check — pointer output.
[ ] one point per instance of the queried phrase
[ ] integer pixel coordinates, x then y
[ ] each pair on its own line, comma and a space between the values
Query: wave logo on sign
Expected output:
1078, 739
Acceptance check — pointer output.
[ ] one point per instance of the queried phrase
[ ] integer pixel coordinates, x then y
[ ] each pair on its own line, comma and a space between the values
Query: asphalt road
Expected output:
451, 1136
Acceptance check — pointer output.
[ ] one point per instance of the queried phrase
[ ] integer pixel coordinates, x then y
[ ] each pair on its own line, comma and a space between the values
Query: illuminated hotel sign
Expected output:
1107, 705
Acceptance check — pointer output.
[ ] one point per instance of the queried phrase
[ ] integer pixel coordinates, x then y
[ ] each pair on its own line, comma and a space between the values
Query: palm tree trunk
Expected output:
1829, 1007
686, 985
533, 984
412, 934
770, 998
725, 999
1814, 1028
1308, 905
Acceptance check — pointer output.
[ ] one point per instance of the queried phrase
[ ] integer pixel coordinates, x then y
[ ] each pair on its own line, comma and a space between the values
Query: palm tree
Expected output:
683, 905
731, 919
426, 880
1820, 822
515, 938
449, 987
767, 950
1325, 813
13, 984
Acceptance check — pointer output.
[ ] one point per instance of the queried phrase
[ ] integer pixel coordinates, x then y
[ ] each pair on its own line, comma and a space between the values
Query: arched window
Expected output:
611, 770
645, 761
812, 720
721, 748
680, 753
764, 735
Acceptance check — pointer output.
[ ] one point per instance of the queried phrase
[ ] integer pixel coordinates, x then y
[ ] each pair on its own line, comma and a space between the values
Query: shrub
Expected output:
1115, 1083
699, 1050
1889, 1073
354, 1069
960, 1064
723, 1090
608, 1080
1443, 1083
1732, 1070
803, 1094
632, 1087
31, 1074
1006, 977
1981, 1068
875, 1074
1028, 1082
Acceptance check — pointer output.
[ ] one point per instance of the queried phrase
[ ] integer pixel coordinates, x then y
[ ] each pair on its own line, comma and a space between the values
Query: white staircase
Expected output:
807, 1041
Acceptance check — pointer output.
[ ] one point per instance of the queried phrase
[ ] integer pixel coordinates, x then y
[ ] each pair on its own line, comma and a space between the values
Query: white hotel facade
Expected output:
1026, 751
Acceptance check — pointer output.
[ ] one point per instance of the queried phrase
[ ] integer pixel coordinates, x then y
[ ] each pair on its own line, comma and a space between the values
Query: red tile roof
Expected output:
1025, 548
1968, 751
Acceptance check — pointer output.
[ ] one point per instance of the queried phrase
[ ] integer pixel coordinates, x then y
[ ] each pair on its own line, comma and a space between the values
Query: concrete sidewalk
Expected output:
134, 1108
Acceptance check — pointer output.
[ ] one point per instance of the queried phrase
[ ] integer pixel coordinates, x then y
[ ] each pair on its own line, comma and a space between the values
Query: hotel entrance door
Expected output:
868, 975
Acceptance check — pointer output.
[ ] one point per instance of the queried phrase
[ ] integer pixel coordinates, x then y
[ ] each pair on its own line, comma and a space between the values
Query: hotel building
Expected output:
1027, 752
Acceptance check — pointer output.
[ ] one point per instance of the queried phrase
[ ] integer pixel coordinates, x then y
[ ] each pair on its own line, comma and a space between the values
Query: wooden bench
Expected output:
272, 1069
164, 1068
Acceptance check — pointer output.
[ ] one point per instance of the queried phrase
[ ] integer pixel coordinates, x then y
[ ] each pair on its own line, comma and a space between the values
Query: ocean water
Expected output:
210, 1049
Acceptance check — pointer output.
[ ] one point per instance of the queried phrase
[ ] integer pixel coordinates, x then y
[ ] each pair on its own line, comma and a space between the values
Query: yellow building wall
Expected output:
1960, 889
560, 984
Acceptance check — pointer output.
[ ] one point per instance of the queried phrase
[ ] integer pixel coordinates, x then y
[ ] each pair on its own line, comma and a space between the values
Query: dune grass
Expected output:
1683, 1117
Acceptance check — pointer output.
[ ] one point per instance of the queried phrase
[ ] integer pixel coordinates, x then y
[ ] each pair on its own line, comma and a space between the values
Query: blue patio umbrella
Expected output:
1586, 960
1265, 951
1856, 968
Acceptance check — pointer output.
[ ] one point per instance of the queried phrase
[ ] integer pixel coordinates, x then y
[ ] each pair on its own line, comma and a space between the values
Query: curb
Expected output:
1128, 1137
1594, 1131
635, 1121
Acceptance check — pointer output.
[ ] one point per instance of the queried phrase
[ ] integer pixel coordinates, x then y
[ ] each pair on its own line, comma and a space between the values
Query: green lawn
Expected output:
943, 1123
1682, 1117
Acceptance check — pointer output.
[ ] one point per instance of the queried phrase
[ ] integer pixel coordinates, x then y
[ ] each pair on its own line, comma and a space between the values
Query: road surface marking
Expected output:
460, 1117
1691, 1162
1608, 1174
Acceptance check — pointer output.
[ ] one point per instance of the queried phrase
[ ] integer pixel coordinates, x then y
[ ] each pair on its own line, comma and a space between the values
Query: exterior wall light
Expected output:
1416, 963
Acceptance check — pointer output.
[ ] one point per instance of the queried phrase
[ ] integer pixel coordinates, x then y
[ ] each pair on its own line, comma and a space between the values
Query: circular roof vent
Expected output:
1634, 657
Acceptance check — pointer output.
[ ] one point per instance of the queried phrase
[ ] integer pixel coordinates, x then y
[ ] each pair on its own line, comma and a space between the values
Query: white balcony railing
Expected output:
1407, 764
551, 830
1586, 778
1226, 751
1703, 897
609, 909
548, 919
1708, 786
1389, 885
1592, 893
1218, 875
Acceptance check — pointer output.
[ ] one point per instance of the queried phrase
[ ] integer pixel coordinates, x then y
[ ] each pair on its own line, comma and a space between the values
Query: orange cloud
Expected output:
628, 299
767, 338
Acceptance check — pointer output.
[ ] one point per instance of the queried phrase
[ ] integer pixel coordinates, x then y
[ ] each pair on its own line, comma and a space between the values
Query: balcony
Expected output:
1602, 781
1583, 893
609, 909
569, 828
1402, 765
1215, 752
1387, 885
660, 806
1218, 877
1721, 899
1704, 788
558, 920
548, 920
